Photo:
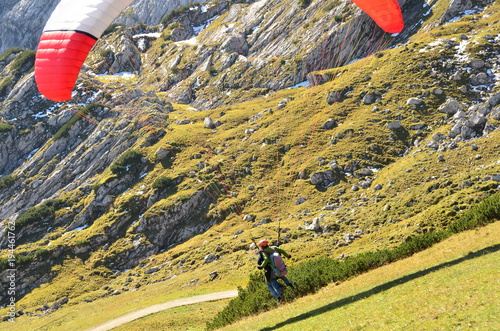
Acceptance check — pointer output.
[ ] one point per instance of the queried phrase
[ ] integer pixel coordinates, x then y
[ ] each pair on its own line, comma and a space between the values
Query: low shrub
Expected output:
41, 212
175, 13
5, 127
5, 85
128, 162
485, 212
25, 61
82, 113
162, 183
112, 28
7, 181
34, 215
9, 52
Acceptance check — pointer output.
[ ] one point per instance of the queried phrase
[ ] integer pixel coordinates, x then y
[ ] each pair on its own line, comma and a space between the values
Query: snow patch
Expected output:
33, 152
461, 54
43, 114
120, 75
302, 84
465, 13
197, 30
80, 228
145, 35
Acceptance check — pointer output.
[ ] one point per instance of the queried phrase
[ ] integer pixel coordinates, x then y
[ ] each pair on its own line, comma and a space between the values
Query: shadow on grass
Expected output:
382, 288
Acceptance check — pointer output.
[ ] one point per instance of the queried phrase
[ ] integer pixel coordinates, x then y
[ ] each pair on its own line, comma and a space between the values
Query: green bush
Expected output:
7, 181
23, 259
33, 215
112, 28
485, 212
38, 213
212, 71
20, 260
162, 183
304, 3
42, 253
128, 162
82, 113
9, 52
5, 127
4, 86
24, 61
4, 263
173, 14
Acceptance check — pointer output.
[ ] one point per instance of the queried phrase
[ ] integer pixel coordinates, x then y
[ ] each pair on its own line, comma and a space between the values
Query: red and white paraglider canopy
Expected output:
75, 26
69, 35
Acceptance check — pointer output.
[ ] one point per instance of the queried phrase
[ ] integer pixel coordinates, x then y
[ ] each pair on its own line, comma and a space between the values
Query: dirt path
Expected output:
163, 306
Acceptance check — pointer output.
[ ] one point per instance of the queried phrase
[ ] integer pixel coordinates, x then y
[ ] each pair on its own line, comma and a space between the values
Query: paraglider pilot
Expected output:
270, 261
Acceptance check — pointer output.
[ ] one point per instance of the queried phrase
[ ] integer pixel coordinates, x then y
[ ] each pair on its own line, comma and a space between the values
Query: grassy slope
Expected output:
453, 285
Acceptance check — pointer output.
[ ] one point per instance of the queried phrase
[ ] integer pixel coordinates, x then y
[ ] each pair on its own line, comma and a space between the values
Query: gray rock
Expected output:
476, 122
494, 100
152, 270
162, 153
457, 76
459, 114
369, 98
477, 63
300, 201
456, 130
450, 107
330, 124
365, 172
394, 126
235, 43
365, 184
414, 101
317, 178
479, 79
249, 218
211, 258
437, 91
455, 8
467, 133
348, 238
314, 225
209, 123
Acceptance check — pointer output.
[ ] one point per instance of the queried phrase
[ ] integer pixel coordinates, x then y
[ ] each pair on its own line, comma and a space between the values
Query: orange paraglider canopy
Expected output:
386, 13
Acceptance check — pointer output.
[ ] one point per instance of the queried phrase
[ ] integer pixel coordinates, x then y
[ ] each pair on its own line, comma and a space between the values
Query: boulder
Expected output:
414, 101
211, 258
450, 107
330, 124
209, 123
314, 225
394, 126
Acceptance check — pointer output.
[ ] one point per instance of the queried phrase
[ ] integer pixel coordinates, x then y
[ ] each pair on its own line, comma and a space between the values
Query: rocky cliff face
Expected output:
96, 176
250, 47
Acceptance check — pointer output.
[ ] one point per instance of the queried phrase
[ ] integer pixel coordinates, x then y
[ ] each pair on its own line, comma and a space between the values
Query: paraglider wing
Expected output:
69, 35
386, 13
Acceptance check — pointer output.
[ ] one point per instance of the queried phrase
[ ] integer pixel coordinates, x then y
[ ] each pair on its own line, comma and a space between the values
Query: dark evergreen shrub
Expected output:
128, 163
